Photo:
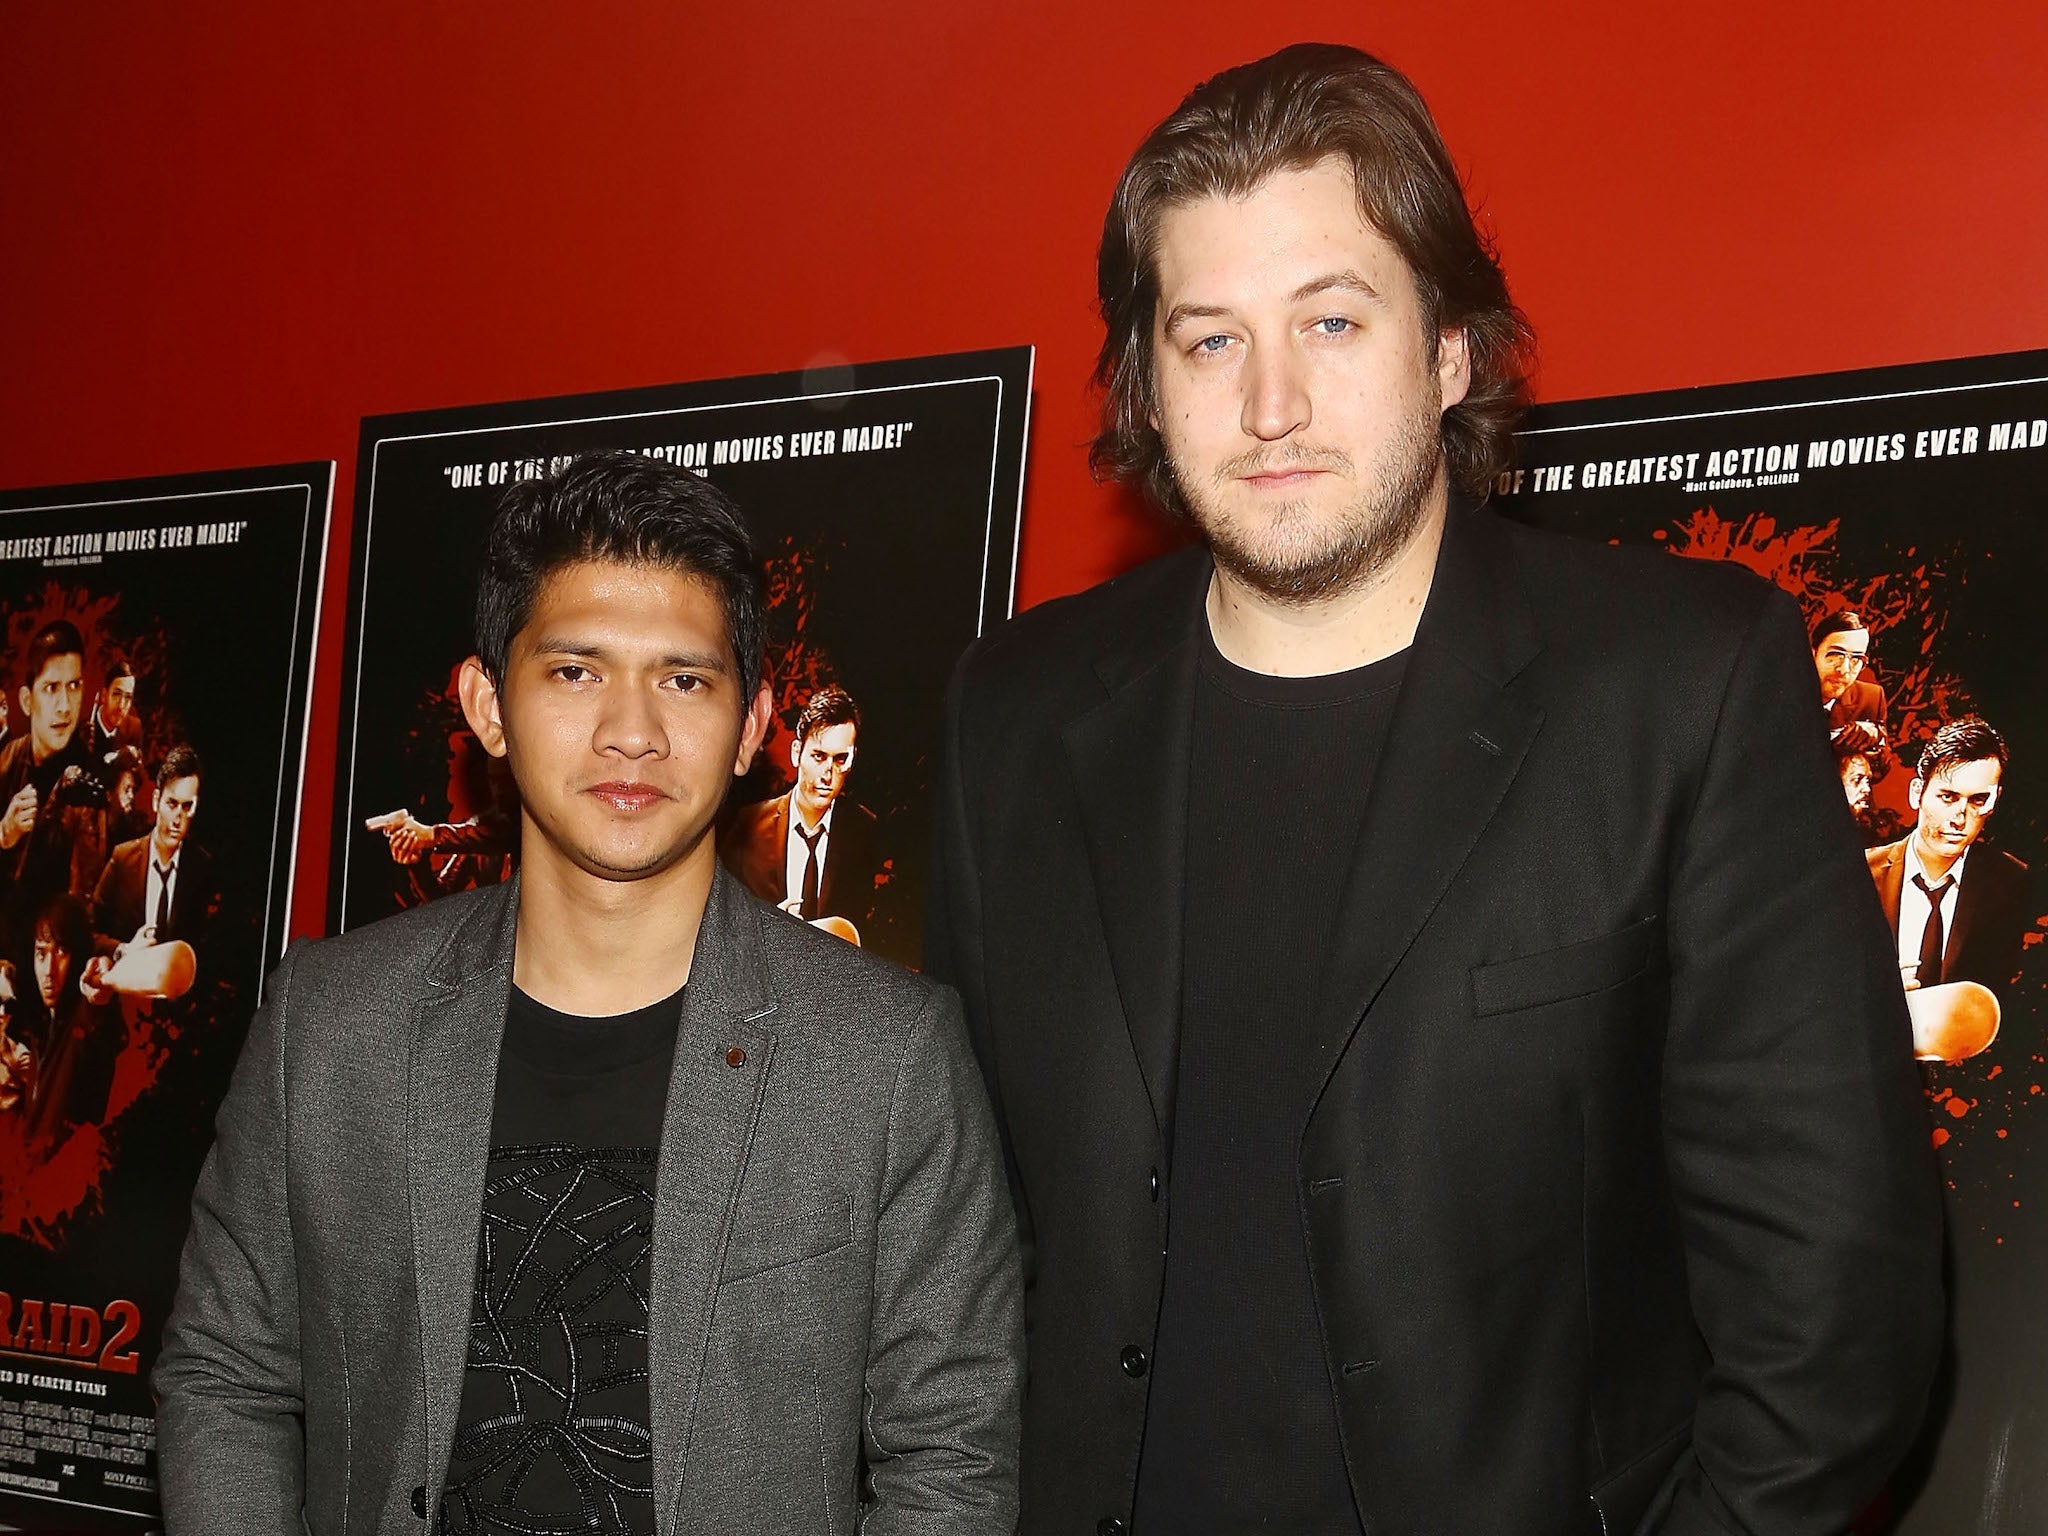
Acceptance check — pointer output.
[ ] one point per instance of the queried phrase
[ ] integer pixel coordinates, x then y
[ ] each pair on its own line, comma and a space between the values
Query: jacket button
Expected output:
1152, 1184
1133, 1360
735, 1058
1109, 1525
419, 1501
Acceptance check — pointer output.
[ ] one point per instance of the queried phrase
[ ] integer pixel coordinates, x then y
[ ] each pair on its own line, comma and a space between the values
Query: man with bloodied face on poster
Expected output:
1957, 909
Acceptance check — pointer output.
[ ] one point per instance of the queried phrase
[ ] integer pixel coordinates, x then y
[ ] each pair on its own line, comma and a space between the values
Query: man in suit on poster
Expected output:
1957, 911
1854, 704
813, 851
162, 881
113, 723
1452, 1066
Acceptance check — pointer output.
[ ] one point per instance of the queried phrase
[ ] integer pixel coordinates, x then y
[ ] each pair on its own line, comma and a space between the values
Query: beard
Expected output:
1297, 559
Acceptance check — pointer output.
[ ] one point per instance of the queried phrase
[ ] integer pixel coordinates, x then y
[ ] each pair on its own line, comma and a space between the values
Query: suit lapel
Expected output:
707, 1130
1969, 894
458, 1023
1130, 761
1893, 887
1454, 744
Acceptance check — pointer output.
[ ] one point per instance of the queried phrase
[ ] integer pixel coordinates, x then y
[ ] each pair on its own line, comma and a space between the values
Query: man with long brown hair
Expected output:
1452, 1068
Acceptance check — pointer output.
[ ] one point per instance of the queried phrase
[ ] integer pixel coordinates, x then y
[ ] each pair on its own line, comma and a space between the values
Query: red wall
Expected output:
229, 230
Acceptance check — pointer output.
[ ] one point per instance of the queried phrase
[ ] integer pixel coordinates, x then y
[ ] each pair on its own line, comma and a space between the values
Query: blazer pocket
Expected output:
1571, 970
810, 1232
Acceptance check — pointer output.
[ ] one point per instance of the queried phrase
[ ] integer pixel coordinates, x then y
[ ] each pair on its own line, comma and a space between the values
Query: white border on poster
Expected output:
1783, 405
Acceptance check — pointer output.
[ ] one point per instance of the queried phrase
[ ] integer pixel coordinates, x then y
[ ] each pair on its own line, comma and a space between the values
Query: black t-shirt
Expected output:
1241, 1421
553, 1434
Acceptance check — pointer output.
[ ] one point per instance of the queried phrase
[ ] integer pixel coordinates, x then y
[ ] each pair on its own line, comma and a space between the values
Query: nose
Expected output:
630, 724
1276, 400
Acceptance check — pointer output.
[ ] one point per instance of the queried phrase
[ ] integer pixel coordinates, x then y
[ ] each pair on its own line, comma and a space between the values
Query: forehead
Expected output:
1971, 778
1854, 641
186, 788
1293, 228
626, 608
64, 667
830, 739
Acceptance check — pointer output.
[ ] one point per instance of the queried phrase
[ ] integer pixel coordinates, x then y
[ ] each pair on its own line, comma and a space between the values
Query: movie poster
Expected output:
884, 499
158, 642
1907, 511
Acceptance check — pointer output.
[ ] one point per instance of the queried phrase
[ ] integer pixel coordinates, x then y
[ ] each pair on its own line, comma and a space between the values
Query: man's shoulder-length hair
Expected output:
1302, 105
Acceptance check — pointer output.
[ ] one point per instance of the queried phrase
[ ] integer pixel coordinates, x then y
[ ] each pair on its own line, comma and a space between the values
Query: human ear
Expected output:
1453, 365
754, 729
480, 705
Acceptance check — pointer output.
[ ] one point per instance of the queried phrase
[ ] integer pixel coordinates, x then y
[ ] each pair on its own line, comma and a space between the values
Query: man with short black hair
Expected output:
1452, 1067
812, 850
607, 1199
40, 766
1957, 911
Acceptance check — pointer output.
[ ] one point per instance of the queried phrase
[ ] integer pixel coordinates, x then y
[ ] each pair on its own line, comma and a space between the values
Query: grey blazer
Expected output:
834, 1278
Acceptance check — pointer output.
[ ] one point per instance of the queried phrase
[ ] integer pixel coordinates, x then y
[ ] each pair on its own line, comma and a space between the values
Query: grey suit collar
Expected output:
724, 1044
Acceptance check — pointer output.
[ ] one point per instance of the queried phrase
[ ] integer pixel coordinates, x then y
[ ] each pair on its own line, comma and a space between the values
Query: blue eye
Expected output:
1334, 325
1212, 344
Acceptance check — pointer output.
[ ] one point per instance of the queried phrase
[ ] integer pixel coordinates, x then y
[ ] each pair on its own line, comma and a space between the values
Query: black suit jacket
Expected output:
1986, 924
118, 901
1619, 1189
757, 838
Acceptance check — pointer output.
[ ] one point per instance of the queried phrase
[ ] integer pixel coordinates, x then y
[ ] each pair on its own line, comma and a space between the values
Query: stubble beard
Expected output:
1318, 564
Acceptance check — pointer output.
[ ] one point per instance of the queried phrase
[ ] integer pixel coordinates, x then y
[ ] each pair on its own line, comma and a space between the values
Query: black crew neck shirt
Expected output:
553, 1432
1241, 1421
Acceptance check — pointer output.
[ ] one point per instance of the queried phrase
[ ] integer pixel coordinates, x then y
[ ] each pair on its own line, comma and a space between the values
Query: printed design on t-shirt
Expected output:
558, 1349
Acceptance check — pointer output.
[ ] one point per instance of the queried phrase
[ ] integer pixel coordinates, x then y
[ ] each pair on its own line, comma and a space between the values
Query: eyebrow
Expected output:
1350, 280
695, 661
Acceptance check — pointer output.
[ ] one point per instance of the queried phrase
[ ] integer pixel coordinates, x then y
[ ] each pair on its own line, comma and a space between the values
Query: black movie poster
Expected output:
1907, 510
884, 499
158, 646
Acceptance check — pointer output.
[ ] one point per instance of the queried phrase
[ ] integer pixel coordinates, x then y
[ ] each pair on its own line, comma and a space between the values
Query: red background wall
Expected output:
229, 230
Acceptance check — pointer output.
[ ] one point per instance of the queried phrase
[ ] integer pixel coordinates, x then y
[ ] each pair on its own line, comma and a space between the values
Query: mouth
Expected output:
1281, 479
627, 796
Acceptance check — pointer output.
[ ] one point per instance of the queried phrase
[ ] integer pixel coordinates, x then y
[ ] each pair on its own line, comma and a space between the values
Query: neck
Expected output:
1936, 865
164, 853
1354, 628
592, 946
809, 815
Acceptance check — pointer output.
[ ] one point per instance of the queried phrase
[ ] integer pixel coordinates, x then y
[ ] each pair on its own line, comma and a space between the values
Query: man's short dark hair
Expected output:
59, 637
1838, 622
622, 507
1968, 740
113, 668
1289, 111
181, 762
831, 705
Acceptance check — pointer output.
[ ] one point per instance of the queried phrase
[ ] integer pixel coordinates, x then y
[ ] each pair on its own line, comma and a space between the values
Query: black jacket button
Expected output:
1134, 1361
419, 1501
1109, 1525
1152, 1184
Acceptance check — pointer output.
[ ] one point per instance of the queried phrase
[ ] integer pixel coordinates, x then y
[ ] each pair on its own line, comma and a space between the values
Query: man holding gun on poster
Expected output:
607, 1199
37, 768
